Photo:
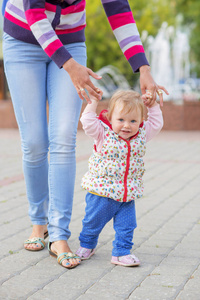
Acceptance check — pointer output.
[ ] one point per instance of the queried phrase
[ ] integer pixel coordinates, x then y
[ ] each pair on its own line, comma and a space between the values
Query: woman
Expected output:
45, 58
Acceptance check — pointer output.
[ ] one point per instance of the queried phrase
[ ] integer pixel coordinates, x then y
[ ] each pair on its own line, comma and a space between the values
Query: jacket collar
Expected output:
103, 118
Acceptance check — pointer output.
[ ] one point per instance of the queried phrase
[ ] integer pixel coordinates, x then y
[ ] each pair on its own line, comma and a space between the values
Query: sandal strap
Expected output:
66, 255
36, 240
46, 234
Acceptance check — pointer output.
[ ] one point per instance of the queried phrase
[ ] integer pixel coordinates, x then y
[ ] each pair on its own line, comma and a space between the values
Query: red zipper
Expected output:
127, 169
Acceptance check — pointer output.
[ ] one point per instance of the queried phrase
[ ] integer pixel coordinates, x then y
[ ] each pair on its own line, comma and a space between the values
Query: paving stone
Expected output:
153, 293
166, 239
191, 289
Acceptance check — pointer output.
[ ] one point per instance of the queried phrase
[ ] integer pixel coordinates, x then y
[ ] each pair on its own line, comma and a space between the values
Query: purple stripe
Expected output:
16, 10
137, 61
115, 7
61, 56
18, 32
70, 1
126, 41
79, 23
46, 36
73, 37
25, 35
33, 4
107, 1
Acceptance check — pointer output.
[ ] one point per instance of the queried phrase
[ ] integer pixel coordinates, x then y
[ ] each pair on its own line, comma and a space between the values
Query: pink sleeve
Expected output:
93, 128
154, 122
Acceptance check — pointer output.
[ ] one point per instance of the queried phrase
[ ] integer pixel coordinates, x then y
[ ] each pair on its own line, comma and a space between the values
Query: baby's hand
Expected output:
147, 97
92, 105
95, 99
99, 92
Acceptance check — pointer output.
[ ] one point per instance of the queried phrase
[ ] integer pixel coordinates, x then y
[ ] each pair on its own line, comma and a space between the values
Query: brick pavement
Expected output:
166, 240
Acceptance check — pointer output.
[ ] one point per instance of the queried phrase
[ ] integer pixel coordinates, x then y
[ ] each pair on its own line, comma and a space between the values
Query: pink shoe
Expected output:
85, 253
127, 260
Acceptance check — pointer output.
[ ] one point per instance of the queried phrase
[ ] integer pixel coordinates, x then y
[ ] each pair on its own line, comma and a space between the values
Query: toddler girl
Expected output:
116, 167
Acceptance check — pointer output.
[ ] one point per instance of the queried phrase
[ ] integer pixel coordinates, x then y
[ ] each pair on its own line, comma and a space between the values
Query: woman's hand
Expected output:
147, 83
80, 77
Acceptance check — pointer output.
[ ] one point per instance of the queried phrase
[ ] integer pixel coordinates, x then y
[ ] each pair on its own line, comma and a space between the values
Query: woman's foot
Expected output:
60, 247
39, 231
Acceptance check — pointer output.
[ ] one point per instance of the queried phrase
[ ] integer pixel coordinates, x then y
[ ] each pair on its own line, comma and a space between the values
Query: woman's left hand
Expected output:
147, 83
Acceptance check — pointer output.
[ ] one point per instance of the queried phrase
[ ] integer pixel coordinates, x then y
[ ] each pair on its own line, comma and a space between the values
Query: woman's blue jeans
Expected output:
32, 79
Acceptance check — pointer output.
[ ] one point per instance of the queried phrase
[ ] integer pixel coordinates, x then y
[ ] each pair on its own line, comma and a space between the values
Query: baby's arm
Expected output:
91, 124
154, 121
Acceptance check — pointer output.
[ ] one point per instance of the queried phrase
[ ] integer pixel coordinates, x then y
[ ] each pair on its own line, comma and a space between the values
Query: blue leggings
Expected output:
99, 211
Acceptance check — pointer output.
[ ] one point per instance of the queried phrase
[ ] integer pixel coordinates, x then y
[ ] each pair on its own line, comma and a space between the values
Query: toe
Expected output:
74, 261
69, 263
66, 264
32, 246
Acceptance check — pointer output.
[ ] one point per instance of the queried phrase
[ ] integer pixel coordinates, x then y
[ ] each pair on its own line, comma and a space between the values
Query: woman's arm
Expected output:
125, 30
44, 32
51, 44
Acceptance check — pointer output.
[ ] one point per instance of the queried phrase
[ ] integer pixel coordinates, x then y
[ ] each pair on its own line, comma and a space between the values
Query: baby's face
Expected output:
125, 124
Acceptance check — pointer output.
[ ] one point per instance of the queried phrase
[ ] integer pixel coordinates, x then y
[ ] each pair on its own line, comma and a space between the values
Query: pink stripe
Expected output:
119, 20
35, 15
50, 7
133, 50
53, 47
74, 8
59, 32
16, 21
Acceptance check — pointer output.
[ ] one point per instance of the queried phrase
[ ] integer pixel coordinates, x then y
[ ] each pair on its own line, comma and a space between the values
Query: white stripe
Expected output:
18, 4
51, 40
50, 15
125, 31
16, 16
41, 27
131, 45
71, 19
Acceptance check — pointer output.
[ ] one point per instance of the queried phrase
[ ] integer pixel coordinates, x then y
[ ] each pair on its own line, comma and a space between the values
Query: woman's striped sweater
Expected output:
53, 23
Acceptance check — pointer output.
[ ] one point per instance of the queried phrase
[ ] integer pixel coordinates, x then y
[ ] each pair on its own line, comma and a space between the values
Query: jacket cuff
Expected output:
61, 56
137, 61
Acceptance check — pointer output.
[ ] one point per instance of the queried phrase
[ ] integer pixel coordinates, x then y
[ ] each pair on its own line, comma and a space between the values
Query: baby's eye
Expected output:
121, 120
133, 121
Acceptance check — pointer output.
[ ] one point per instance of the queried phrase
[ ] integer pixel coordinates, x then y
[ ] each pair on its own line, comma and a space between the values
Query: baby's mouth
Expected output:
125, 131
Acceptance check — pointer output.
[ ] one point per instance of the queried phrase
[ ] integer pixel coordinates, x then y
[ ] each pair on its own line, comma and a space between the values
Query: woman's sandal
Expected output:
126, 261
37, 240
63, 256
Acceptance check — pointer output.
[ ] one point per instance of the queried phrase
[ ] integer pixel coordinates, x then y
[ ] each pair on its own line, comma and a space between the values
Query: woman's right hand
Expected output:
80, 76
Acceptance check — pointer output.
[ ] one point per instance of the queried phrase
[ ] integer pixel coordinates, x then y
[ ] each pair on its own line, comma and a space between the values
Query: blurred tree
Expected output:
102, 46
190, 10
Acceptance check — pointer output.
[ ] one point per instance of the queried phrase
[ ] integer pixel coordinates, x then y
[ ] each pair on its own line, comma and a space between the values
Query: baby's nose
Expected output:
126, 125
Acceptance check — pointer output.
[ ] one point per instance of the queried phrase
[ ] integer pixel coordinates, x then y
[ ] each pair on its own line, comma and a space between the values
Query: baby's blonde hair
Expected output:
128, 100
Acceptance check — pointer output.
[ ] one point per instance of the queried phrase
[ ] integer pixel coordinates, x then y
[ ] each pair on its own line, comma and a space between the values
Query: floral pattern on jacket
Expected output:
116, 172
